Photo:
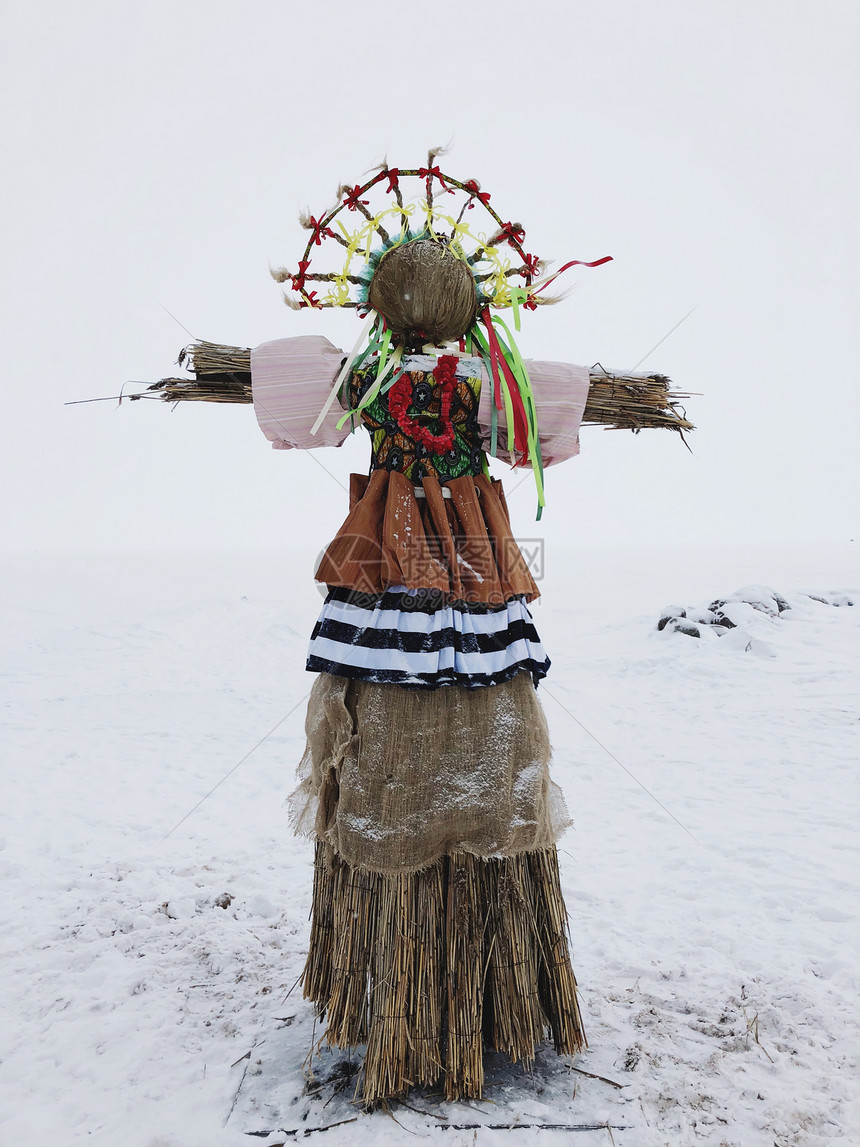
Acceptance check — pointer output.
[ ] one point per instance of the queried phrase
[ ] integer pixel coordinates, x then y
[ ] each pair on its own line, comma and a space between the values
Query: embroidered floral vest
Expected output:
426, 423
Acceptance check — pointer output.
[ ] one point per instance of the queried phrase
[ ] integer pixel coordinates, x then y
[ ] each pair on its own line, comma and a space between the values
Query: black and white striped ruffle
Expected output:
412, 638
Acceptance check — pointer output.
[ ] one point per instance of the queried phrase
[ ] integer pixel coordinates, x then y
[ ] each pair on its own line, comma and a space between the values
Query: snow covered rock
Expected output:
759, 597
832, 598
744, 619
744, 614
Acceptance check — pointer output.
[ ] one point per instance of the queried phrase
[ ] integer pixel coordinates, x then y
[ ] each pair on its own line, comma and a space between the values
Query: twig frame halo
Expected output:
487, 254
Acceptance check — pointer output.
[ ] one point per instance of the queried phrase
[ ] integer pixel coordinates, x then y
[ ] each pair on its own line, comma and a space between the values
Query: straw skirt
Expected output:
438, 923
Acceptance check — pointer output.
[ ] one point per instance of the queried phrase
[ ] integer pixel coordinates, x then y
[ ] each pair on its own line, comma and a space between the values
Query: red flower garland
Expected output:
399, 399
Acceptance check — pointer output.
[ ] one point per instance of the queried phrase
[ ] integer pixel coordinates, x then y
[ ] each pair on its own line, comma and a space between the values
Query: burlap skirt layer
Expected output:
394, 779
428, 969
460, 545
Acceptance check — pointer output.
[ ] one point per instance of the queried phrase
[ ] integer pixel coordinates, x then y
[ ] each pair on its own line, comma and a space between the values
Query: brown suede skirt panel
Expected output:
461, 545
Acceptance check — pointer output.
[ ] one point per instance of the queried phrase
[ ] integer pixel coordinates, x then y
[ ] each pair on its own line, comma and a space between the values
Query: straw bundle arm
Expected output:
616, 401
634, 402
222, 374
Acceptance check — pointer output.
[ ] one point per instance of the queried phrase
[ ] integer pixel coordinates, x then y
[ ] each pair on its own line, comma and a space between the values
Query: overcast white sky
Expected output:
157, 155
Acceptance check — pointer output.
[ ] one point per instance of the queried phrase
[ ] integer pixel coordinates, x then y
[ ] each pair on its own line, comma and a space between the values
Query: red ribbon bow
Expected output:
352, 201
316, 225
512, 232
297, 281
428, 173
474, 187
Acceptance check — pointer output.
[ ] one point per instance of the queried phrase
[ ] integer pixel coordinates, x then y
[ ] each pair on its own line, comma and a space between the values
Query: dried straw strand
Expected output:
464, 1050
426, 998
354, 918
518, 1019
386, 1063
556, 983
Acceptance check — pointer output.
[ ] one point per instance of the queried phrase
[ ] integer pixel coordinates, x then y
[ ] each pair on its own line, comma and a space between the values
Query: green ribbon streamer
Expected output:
476, 336
518, 297
373, 345
521, 374
377, 344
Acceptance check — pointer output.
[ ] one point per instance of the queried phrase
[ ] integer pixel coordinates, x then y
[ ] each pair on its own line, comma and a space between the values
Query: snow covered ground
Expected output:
146, 975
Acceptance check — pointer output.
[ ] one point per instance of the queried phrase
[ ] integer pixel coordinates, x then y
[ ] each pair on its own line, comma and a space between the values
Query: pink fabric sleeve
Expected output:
290, 381
560, 391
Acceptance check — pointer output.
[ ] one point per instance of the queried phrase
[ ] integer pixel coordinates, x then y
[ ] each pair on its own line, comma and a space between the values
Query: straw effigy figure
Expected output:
438, 924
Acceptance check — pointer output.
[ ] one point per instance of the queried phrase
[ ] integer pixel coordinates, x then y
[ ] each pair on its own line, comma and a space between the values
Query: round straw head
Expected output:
423, 288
